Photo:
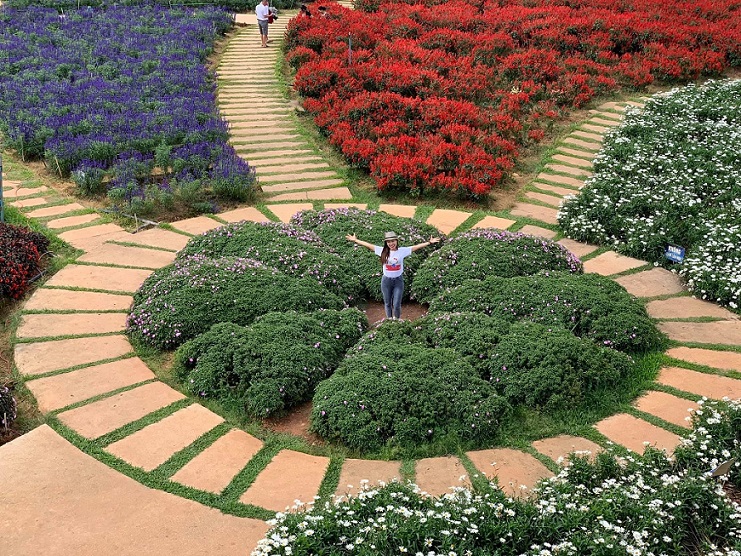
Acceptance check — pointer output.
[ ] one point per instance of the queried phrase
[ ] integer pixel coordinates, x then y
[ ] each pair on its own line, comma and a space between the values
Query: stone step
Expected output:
577, 248
405, 211
560, 191
263, 138
122, 255
20, 192
290, 476
447, 220
98, 418
72, 221
604, 122
536, 212
29, 203
45, 357
577, 153
595, 128
265, 147
293, 186
703, 384
652, 283
686, 308
516, 472
559, 448
99, 278
667, 407
587, 136
725, 332
334, 194
46, 325
299, 167
544, 198
45, 299
359, 472
438, 476
274, 161
359, 206
635, 434
285, 212
585, 144
197, 225
58, 391
153, 445
83, 237
158, 238
568, 181
572, 171
213, 469
246, 213
494, 222
537, 231
609, 263
56, 210
573, 161
727, 360
308, 178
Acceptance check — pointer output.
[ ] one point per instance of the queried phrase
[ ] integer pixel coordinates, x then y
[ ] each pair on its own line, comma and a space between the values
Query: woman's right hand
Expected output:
351, 237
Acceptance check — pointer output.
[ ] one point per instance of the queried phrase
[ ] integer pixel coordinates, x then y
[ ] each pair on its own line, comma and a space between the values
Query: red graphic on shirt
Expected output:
393, 264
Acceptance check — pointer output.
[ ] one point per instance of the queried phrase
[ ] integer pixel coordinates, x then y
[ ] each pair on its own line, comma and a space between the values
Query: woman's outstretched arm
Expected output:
426, 243
354, 239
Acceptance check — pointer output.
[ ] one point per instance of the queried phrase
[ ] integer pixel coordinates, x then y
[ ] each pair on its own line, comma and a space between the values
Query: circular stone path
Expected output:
128, 465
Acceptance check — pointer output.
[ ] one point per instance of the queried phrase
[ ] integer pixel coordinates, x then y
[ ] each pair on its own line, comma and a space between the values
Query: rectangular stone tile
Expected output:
447, 220
727, 332
308, 180
26, 192
297, 185
595, 128
47, 299
573, 161
71, 221
99, 278
703, 384
405, 211
562, 180
28, 203
359, 206
437, 476
358, 472
652, 283
285, 212
635, 434
153, 445
246, 213
213, 469
54, 392
54, 211
609, 263
729, 360
125, 255
686, 308
494, 222
159, 238
558, 448
83, 234
70, 324
578, 153
560, 191
197, 225
335, 193
536, 212
517, 472
44, 357
272, 169
586, 136
667, 407
586, 144
268, 160
290, 476
577, 248
98, 418
544, 198
537, 231
568, 170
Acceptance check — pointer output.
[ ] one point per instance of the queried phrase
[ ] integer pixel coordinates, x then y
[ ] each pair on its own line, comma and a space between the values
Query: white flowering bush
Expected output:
646, 505
671, 174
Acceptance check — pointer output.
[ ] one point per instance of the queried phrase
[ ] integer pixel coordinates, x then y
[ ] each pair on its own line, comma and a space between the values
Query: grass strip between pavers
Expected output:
180, 458
135, 426
41, 339
244, 479
99, 397
408, 470
657, 421
29, 378
331, 480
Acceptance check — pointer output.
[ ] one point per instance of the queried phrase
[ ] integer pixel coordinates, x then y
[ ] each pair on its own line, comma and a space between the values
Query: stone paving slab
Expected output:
609, 263
69, 324
285, 155
335, 193
726, 332
667, 407
651, 283
213, 469
299, 167
494, 222
558, 448
357, 472
308, 178
560, 191
28, 203
517, 472
99, 278
729, 360
562, 180
281, 159
578, 153
569, 170
589, 145
543, 198
703, 384
404, 211
58, 501
248, 149
290, 476
536, 212
56, 210
574, 161
123, 255
595, 128
26, 191
296, 185
577, 248
98, 418
285, 212
537, 231
437, 476
600, 120
57, 391
246, 213
197, 225
587, 136
159, 238
71, 221
634, 433
153, 445
44, 357
686, 308
447, 220
46, 299
84, 234
359, 206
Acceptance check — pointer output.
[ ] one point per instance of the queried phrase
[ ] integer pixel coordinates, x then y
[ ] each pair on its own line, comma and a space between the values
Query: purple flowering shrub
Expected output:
273, 363
487, 252
293, 250
181, 301
589, 305
369, 225
109, 94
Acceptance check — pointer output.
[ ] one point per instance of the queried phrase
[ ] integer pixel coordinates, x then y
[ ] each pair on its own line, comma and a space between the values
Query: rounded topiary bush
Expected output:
290, 249
271, 364
8, 408
393, 394
369, 225
589, 305
184, 299
486, 252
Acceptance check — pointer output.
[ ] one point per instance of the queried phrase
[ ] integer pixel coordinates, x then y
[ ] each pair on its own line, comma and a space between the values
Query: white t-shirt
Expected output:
262, 12
394, 267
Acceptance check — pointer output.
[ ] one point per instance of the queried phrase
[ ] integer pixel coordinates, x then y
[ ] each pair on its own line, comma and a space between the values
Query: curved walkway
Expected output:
129, 465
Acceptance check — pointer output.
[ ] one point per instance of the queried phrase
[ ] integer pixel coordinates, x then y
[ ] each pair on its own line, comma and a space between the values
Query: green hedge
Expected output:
486, 252
272, 364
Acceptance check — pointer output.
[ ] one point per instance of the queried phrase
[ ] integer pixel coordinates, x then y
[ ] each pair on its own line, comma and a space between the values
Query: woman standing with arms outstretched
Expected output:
392, 260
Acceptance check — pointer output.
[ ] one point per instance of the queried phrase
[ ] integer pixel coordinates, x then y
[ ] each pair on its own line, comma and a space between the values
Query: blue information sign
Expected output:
674, 253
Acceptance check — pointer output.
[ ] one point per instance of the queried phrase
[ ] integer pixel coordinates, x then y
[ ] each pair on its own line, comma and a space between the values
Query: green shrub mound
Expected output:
636, 505
369, 225
487, 252
271, 364
182, 300
290, 249
404, 395
589, 305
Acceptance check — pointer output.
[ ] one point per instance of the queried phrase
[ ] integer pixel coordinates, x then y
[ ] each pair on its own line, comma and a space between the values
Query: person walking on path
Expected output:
392, 260
262, 11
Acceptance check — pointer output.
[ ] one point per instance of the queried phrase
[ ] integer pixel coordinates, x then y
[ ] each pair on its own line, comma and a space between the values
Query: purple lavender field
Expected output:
119, 98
